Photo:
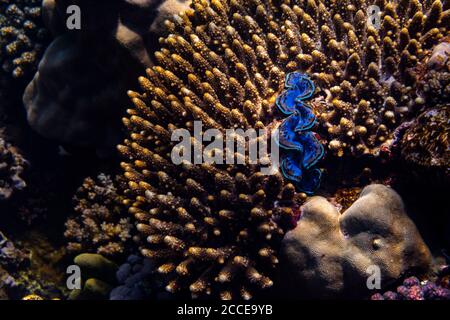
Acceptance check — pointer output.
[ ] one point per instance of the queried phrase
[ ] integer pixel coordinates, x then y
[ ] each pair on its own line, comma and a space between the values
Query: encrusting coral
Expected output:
99, 225
215, 228
22, 38
12, 167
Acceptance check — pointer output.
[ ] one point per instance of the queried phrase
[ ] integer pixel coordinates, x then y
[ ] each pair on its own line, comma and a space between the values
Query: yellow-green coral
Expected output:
215, 229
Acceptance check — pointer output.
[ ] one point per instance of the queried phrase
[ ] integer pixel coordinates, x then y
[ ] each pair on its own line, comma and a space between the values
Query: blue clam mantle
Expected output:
300, 149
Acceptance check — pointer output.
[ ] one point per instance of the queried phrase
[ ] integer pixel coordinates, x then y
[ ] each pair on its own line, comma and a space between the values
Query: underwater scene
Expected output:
210, 150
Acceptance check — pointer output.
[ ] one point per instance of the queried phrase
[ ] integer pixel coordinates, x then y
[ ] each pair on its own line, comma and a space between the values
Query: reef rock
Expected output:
331, 255
78, 94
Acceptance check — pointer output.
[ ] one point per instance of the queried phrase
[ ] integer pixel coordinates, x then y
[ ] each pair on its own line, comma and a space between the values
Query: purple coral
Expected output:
413, 289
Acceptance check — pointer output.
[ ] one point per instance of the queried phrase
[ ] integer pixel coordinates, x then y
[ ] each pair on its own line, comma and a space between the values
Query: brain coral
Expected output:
22, 37
214, 228
99, 225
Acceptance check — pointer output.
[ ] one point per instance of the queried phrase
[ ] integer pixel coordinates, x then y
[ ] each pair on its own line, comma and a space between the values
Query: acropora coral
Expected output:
22, 37
99, 225
216, 229
12, 167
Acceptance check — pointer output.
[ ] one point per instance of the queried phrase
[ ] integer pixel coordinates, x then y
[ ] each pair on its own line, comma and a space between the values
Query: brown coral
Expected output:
99, 225
213, 227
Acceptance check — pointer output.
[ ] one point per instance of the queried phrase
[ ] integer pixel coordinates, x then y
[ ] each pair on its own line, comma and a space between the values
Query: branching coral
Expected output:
99, 225
12, 166
214, 227
22, 37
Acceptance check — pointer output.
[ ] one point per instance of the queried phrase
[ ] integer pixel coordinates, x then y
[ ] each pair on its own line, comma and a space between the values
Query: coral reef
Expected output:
22, 39
332, 252
301, 148
425, 143
225, 63
79, 91
12, 167
100, 225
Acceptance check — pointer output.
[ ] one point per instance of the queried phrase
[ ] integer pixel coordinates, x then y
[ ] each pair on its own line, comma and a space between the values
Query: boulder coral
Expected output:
331, 254
79, 91
214, 228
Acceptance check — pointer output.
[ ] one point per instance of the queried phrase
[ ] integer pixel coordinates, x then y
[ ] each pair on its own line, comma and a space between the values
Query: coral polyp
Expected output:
215, 229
